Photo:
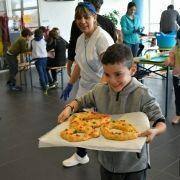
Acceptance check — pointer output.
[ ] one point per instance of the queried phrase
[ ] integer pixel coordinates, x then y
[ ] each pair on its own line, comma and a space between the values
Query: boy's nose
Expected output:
113, 80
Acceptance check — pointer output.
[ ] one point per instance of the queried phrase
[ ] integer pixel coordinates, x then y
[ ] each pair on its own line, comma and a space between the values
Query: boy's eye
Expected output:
118, 74
106, 74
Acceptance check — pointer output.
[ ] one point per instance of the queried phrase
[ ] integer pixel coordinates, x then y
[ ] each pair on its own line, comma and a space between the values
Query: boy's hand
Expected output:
64, 115
150, 134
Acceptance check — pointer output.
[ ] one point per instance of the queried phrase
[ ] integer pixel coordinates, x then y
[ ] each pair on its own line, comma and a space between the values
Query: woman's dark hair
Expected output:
26, 32
130, 5
97, 3
83, 9
118, 53
53, 34
38, 33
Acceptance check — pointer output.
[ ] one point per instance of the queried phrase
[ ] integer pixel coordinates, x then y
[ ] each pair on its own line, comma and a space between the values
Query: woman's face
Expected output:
132, 10
86, 23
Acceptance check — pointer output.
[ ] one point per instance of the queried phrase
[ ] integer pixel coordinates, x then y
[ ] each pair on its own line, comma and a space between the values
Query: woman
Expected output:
90, 46
56, 47
130, 25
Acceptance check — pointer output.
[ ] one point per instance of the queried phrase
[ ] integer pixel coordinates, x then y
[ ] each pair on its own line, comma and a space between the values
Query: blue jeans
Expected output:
134, 48
41, 64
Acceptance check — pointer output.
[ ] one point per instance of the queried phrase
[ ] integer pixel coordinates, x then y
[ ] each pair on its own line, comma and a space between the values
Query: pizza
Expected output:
119, 130
84, 126
87, 125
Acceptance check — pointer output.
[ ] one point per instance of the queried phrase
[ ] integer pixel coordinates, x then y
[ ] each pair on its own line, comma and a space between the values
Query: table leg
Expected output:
167, 88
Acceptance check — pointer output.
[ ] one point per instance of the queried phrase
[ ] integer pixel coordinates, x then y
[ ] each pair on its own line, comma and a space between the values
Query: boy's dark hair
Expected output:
43, 29
170, 7
26, 32
118, 53
38, 33
130, 5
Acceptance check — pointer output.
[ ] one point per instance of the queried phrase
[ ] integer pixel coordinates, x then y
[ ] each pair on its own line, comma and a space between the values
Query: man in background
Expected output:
105, 23
170, 20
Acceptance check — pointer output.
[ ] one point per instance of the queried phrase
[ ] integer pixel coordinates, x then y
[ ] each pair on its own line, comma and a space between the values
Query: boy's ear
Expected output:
133, 69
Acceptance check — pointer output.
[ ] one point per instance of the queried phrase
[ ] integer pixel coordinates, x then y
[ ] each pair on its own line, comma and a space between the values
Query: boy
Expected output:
121, 94
20, 46
39, 55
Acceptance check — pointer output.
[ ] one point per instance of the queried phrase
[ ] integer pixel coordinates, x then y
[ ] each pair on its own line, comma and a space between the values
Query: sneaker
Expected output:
176, 120
15, 88
45, 92
51, 86
56, 83
75, 160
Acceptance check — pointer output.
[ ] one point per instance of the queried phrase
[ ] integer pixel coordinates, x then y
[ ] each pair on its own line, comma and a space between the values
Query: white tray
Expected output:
138, 119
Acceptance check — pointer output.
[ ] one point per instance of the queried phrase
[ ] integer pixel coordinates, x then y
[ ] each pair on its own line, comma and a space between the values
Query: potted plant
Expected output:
113, 16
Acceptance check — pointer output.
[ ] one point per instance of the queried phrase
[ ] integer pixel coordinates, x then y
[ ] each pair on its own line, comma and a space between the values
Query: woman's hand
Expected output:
64, 115
66, 92
150, 134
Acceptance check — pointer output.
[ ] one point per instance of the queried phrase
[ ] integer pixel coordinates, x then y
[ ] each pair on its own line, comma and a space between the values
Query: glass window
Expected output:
2, 6
29, 3
156, 8
16, 4
30, 18
177, 5
16, 14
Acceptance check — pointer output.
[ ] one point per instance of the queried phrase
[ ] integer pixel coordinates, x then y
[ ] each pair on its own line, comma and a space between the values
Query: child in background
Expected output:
39, 55
56, 46
174, 60
121, 94
20, 46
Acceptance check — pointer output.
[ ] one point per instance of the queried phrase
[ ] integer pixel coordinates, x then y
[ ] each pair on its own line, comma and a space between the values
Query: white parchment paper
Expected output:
138, 119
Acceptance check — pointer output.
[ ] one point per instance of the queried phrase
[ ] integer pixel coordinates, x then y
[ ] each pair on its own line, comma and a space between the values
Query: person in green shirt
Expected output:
19, 46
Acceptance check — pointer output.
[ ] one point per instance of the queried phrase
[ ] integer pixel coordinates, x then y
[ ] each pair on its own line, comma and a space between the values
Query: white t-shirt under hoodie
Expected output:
39, 49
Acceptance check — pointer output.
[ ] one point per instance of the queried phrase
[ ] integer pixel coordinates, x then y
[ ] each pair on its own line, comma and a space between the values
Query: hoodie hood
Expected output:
133, 85
38, 38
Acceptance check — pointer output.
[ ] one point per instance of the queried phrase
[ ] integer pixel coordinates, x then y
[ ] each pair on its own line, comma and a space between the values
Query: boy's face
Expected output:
118, 75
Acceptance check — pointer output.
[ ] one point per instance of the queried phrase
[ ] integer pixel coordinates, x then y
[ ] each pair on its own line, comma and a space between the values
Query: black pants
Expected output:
106, 175
81, 152
176, 83
13, 68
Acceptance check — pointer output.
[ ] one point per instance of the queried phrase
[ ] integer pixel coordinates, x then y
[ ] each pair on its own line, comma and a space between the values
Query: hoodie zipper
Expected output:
117, 96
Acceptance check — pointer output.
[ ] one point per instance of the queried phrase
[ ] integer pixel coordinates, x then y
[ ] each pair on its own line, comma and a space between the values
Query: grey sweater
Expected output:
170, 19
134, 97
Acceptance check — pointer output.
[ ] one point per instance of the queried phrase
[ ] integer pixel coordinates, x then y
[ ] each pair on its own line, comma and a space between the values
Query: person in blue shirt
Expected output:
131, 28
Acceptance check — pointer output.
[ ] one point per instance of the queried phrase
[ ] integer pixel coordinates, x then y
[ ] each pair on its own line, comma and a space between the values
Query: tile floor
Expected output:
25, 116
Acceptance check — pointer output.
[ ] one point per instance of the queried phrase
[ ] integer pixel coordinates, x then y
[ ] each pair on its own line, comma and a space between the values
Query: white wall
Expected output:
61, 13
58, 14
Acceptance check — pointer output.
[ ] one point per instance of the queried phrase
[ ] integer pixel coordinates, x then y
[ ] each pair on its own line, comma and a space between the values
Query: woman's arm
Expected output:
75, 74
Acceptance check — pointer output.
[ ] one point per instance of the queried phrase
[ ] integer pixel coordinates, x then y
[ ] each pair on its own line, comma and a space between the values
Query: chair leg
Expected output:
20, 78
25, 79
30, 74
62, 82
